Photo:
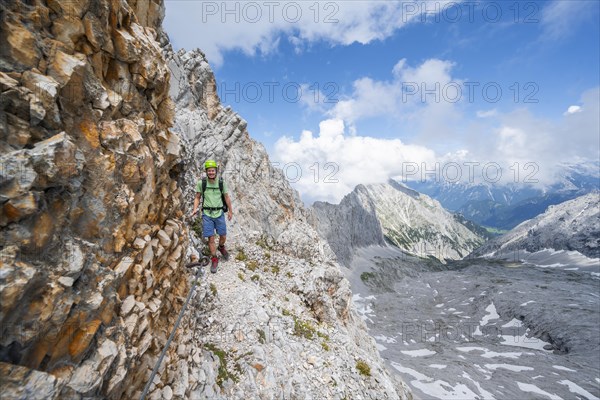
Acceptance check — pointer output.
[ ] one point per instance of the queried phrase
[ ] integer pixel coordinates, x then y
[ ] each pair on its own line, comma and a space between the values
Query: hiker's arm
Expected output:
196, 202
228, 202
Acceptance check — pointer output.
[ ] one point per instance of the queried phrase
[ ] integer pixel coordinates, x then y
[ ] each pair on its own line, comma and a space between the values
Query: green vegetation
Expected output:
286, 313
261, 336
495, 231
252, 265
325, 346
473, 227
363, 368
255, 277
197, 227
267, 256
241, 276
303, 328
275, 269
365, 276
223, 374
241, 256
213, 289
288, 274
263, 242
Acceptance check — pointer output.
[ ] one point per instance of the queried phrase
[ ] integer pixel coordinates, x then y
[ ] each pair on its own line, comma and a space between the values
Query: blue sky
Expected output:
363, 69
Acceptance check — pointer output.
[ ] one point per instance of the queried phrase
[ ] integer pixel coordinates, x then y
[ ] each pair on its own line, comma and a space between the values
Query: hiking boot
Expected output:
224, 252
214, 265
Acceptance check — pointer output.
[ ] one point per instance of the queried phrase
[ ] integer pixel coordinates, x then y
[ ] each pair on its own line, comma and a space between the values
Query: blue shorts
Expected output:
209, 225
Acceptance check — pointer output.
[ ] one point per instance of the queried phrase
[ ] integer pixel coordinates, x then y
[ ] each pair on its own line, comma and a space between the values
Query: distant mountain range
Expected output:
502, 207
395, 214
572, 225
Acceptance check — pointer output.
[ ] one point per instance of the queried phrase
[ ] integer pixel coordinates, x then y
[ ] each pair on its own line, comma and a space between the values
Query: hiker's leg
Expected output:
221, 228
208, 230
211, 246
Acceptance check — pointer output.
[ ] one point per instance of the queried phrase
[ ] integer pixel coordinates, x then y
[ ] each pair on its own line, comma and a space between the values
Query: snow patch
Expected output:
437, 388
528, 387
574, 388
418, 353
363, 308
488, 353
510, 367
437, 366
564, 368
491, 314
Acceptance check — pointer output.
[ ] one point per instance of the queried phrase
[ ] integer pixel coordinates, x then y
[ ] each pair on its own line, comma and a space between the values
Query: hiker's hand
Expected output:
193, 214
229, 215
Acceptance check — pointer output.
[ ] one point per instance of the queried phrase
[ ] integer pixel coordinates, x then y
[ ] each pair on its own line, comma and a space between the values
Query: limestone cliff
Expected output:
92, 240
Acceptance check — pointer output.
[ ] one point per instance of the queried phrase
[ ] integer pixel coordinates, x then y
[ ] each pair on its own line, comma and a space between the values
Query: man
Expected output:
213, 217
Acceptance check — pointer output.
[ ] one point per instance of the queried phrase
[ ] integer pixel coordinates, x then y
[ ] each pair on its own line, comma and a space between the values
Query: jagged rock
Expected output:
164, 238
23, 383
127, 305
89, 375
167, 393
14, 277
66, 281
17, 175
63, 66
394, 213
18, 207
18, 46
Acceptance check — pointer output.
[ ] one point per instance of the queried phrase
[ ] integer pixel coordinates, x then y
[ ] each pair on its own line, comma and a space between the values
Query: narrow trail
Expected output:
261, 328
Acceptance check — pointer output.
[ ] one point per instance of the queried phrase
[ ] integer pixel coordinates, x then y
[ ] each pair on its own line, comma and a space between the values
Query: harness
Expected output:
220, 188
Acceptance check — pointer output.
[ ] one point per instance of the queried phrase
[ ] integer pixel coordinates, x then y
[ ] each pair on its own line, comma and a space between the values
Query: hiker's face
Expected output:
211, 172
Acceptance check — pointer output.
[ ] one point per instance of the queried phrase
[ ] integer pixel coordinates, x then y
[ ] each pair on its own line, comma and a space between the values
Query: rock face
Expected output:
407, 219
88, 280
572, 225
357, 214
93, 189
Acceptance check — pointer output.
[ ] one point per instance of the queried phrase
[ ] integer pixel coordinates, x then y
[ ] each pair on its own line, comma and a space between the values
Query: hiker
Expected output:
214, 204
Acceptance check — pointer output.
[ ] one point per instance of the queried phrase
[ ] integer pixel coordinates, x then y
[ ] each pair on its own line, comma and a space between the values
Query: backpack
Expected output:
204, 183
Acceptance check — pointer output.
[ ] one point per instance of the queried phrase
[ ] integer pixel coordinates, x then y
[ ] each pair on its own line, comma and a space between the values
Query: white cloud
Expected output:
514, 147
560, 18
573, 110
332, 164
424, 93
256, 27
487, 113
520, 138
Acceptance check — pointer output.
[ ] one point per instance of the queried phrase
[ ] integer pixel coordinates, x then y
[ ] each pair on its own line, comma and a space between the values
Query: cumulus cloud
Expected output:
331, 163
515, 147
572, 110
426, 93
257, 27
524, 141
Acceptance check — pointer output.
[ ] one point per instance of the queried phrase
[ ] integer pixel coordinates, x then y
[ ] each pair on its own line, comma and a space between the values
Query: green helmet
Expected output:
210, 164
